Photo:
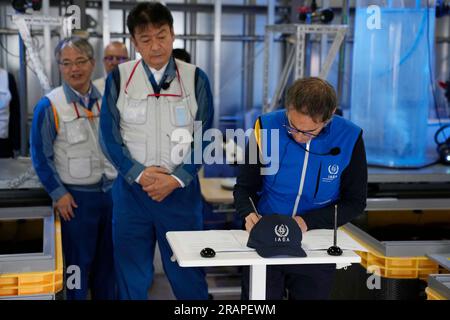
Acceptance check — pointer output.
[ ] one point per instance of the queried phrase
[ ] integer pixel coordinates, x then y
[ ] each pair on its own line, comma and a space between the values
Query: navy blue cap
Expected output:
276, 235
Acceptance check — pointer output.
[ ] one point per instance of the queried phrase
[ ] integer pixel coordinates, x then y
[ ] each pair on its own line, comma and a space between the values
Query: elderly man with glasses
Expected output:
72, 168
114, 54
322, 164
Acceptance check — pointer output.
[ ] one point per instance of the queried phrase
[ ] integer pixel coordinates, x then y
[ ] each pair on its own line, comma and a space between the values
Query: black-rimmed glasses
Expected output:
308, 133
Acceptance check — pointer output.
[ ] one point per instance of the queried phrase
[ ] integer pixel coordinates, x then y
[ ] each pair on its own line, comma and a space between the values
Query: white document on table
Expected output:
322, 239
236, 241
219, 240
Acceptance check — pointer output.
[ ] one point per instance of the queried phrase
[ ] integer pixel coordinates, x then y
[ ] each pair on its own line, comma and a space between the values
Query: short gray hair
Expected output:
78, 43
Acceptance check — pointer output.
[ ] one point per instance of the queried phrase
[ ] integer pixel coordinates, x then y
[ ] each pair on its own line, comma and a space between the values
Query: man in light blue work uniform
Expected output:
67, 158
146, 101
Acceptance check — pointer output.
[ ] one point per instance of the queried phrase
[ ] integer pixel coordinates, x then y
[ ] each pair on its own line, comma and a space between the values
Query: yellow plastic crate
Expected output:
33, 283
399, 267
433, 295
396, 267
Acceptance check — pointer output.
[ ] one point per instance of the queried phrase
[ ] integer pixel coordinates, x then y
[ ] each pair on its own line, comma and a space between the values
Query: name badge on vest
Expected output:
181, 116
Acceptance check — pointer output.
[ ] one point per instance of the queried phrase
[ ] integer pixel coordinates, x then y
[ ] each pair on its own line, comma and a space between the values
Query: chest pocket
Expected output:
180, 113
135, 111
327, 184
76, 131
80, 163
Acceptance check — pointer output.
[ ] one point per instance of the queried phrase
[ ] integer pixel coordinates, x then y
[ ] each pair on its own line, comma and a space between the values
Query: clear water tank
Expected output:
391, 82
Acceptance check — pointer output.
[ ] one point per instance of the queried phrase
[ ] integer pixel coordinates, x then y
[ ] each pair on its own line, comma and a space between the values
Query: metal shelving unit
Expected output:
296, 57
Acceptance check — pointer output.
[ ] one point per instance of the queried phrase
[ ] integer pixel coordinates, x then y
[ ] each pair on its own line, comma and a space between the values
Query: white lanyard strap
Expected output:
302, 180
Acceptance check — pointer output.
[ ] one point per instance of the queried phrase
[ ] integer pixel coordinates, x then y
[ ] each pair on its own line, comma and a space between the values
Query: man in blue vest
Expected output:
146, 101
321, 163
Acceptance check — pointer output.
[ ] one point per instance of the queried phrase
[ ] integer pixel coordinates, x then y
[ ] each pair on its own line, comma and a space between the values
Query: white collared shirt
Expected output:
158, 74
84, 98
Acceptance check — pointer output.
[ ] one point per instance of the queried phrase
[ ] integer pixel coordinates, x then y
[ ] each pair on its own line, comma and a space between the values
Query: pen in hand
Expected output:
254, 207
253, 218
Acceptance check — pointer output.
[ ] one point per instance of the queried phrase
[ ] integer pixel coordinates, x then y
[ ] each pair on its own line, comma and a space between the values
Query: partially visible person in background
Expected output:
181, 54
9, 116
114, 54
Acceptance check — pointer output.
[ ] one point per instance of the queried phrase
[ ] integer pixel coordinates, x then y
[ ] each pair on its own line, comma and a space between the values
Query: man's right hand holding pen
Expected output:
252, 218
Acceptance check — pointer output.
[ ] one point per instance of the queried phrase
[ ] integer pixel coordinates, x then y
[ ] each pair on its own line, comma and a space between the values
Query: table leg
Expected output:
257, 282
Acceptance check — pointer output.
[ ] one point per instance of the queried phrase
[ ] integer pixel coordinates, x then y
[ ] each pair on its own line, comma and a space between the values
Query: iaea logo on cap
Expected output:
276, 235
282, 231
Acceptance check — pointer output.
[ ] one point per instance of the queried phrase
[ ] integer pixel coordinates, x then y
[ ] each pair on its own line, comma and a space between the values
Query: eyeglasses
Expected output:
115, 58
291, 130
78, 63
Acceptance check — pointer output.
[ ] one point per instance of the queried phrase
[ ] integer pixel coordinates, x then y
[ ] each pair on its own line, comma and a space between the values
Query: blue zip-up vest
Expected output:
285, 191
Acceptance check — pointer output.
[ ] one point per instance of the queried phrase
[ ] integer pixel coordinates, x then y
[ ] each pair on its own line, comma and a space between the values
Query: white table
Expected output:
186, 257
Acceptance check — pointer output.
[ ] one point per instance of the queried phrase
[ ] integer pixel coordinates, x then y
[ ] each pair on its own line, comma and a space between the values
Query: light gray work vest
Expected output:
77, 153
5, 99
157, 131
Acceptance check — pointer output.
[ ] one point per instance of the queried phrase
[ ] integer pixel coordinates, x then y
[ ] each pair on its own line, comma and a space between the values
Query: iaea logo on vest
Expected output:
333, 169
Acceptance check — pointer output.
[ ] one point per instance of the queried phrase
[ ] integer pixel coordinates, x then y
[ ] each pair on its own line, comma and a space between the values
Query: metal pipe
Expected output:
341, 66
193, 30
270, 49
4, 37
195, 7
244, 59
217, 56
248, 62
266, 71
106, 33
58, 34
47, 43
185, 25
23, 98
200, 37
229, 38
323, 40
191, 37
124, 25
